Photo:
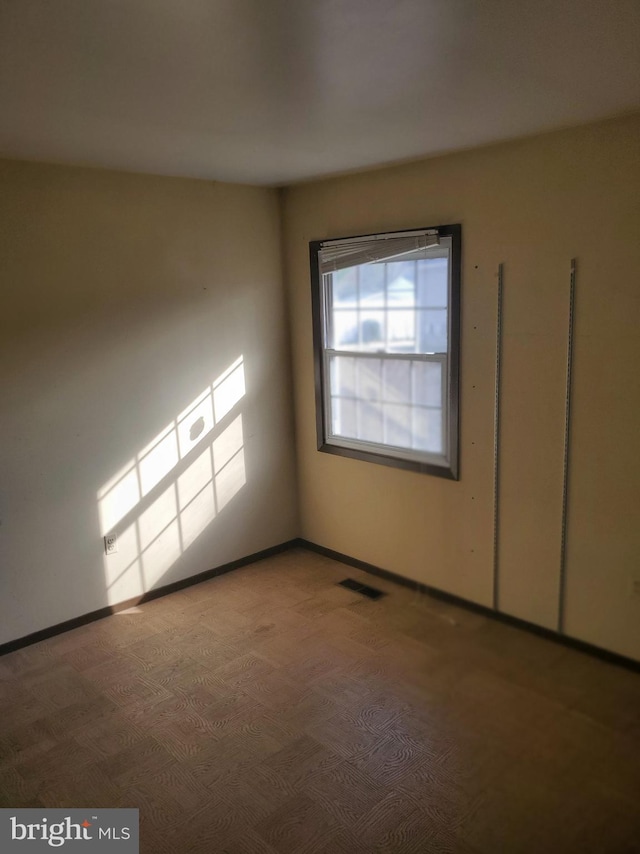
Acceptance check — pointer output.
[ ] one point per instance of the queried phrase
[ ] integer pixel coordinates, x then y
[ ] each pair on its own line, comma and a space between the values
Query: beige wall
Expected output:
532, 204
126, 298
123, 299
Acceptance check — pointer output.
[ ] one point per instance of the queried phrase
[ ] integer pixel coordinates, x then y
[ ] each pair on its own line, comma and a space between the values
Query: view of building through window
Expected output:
397, 306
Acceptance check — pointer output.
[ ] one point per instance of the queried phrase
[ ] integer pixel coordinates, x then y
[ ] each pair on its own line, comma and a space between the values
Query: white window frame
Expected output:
442, 465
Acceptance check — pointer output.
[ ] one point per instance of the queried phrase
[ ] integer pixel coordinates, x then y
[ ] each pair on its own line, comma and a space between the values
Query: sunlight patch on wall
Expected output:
161, 501
228, 389
118, 496
158, 459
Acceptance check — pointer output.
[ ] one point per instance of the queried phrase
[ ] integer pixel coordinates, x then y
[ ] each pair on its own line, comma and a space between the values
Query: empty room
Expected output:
319, 470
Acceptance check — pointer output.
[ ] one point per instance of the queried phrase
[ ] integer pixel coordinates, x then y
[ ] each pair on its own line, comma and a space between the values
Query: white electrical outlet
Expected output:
110, 544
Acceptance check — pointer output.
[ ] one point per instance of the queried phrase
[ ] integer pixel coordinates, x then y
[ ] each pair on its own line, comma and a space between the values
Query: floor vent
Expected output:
358, 587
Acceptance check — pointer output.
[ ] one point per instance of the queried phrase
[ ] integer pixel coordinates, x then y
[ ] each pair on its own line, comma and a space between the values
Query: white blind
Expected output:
340, 254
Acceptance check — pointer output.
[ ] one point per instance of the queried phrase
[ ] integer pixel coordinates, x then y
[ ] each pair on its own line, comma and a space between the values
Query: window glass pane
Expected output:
397, 425
369, 421
401, 288
343, 417
432, 331
372, 285
345, 330
372, 330
368, 378
345, 287
427, 430
396, 381
427, 383
433, 283
343, 376
401, 335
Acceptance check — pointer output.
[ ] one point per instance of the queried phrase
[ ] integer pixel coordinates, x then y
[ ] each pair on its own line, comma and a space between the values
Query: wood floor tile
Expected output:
344, 792
299, 826
270, 711
208, 830
299, 760
109, 733
253, 792
248, 843
21, 742
389, 760
15, 790
388, 818
135, 763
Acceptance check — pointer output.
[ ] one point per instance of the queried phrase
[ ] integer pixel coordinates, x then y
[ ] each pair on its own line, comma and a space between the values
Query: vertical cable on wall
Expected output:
567, 428
496, 440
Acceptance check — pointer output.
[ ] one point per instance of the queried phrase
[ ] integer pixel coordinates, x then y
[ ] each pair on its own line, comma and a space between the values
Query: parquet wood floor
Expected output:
269, 711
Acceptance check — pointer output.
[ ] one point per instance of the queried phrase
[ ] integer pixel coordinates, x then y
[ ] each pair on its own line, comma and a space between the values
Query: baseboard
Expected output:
435, 593
299, 542
101, 613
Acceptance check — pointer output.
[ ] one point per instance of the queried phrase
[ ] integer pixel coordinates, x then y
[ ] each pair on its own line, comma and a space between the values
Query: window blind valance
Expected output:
351, 252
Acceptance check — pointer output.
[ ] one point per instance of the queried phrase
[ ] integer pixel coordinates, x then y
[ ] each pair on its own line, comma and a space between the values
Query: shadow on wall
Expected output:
160, 502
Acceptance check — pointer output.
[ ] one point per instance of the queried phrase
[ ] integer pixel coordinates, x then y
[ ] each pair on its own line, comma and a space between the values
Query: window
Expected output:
386, 316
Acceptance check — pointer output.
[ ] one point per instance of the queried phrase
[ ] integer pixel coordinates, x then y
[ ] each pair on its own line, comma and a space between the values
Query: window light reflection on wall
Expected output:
162, 500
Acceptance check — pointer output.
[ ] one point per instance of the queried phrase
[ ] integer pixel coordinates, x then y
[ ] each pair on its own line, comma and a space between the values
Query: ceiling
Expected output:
274, 91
